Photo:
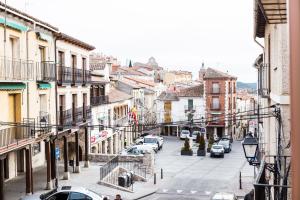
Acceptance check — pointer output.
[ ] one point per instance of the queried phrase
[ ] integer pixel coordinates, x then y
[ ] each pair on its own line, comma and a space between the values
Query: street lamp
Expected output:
250, 146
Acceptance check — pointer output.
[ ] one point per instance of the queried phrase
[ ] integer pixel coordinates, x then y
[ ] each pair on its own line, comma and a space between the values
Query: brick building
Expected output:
220, 101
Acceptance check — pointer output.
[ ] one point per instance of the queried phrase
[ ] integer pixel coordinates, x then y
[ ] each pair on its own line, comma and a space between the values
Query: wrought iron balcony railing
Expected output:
44, 123
77, 76
99, 100
64, 118
64, 75
16, 69
45, 71
87, 77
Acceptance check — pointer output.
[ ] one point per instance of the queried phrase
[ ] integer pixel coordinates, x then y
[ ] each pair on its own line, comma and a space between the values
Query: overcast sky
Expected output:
180, 34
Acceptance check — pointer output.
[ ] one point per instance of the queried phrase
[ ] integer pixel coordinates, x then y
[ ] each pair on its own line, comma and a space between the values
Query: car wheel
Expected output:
222, 156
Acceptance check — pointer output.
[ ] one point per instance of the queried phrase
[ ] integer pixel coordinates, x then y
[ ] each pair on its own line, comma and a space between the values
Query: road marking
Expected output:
179, 191
207, 192
193, 191
165, 190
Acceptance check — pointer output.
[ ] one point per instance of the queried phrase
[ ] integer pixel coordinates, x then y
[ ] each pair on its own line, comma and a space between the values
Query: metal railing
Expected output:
64, 75
16, 69
87, 77
279, 188
99, 100
14, 135
108, 167
44, 122
45, 71
77, 76
77, 115
64, 118
189, 108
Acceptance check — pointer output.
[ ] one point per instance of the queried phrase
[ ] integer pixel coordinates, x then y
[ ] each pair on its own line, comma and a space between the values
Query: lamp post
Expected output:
250, 147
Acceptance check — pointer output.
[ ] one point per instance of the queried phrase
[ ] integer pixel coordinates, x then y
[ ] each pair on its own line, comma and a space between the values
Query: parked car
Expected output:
224, 196
150, 141
185, 134
153, 139
217, 150
227, 137
66, 193
137, 150
194, 134
226, 144
140, 140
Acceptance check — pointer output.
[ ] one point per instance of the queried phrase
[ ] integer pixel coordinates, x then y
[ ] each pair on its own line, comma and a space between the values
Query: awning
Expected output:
12, 86
44, 85
13, 25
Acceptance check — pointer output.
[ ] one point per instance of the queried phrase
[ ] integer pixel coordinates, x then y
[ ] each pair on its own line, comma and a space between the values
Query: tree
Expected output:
130, 64
201, 143
198, 138
186, 146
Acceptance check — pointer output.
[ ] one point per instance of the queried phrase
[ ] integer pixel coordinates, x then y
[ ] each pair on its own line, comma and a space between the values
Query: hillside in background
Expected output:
247, 86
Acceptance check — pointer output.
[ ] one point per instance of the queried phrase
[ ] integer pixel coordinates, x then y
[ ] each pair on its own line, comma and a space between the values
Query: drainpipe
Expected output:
56, 111
294, 43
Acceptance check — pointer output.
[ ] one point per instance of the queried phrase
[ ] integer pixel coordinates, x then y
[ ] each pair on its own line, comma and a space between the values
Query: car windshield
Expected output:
185, 132
150, 140
217, 147
196, 132
223, 142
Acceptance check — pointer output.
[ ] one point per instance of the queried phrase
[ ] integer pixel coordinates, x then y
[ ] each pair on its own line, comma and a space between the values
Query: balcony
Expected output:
87, 113
77, 76
87, 77
64, 118
64, 76
190, 109
15, 137
16, 69
99, 100
264, 81
45, 71
44, 122
77, 115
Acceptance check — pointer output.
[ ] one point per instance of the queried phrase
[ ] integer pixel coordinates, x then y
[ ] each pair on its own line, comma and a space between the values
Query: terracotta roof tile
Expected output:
195, 91
213, 73
115, 95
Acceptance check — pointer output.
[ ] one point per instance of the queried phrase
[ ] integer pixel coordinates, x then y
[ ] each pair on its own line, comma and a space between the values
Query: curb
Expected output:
146, 195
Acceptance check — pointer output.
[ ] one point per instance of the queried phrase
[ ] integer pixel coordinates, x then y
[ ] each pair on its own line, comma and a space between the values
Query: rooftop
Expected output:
211, 73
116, 95
168, 96
195, 91
75, 41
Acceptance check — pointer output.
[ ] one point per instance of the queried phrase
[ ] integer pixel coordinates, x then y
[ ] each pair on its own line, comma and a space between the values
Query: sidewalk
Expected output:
247, 177
88, 178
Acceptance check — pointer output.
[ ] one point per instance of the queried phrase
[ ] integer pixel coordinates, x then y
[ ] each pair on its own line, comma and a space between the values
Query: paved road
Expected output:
193, 177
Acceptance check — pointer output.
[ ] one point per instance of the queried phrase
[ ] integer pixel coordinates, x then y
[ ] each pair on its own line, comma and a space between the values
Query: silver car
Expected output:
66, 193
217, 150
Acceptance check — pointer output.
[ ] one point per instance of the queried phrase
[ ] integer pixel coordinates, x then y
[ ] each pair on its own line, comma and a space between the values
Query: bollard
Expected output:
240, 180
154, 178
161, 173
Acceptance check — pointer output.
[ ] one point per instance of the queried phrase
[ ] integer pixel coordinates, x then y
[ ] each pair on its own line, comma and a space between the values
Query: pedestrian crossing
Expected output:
184, 192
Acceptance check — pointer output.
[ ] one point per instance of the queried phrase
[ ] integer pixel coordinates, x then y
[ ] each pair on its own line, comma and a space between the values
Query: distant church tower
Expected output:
202, 72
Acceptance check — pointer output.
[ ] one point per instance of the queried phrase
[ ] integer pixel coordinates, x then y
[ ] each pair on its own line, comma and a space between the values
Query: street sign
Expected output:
57, 153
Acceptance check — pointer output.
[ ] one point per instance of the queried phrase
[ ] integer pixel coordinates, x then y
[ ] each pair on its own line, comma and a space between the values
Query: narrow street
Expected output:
193, 177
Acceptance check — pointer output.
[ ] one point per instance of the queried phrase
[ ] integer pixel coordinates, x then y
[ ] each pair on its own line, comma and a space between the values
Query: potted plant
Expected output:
186, 150
210, 143
201, 149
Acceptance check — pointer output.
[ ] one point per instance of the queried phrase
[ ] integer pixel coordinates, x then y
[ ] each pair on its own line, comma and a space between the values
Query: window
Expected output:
59, 196
42, 53
215, 103
190, 104
229, 103
229, 87
215, 88
79, 196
